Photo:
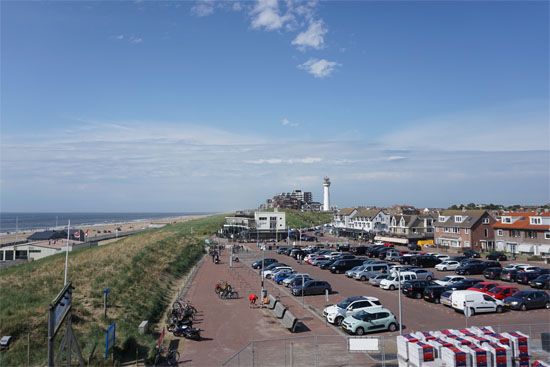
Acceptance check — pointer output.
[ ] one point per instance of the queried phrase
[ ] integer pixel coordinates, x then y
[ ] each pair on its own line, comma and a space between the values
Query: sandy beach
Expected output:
105, 228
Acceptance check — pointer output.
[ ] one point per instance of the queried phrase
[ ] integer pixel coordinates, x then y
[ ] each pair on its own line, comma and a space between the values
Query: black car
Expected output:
475, 267
463, 284
312, 287
425, 261
297, 252
359, 250
342, 247
326, 264
542, 282
282, 250
433, 293
415, 288
497, 255
266, 262
341, 266
458, 258
524, 277
471, 253
274, 265
372, 250
407, 259
492, 273
525, 300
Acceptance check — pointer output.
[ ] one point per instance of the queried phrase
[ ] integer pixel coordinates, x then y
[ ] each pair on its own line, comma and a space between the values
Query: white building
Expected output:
326, 194
36, 250
270, 221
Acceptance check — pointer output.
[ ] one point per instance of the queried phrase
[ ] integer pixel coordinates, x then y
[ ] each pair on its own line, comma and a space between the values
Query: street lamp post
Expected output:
399, 297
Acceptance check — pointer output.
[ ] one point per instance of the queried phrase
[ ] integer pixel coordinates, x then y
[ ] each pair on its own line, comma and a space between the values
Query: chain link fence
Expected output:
331, 350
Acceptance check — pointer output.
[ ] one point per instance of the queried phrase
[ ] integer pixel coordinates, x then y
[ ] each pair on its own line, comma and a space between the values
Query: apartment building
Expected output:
527, 233
465, 229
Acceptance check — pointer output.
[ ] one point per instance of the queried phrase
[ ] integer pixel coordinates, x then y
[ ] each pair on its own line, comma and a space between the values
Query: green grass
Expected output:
139, 270
298, 219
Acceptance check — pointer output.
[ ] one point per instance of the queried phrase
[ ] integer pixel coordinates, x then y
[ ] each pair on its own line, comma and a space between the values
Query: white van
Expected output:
476, 302
392, 283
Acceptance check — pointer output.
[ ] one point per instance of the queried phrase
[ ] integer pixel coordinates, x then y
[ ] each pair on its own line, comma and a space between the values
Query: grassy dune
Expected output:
139, 270
298, 219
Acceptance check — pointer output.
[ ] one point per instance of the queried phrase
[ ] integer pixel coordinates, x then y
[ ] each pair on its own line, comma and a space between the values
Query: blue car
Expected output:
279, 277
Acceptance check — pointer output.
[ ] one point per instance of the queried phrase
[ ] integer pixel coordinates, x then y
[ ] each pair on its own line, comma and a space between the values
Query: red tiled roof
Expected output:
522, 224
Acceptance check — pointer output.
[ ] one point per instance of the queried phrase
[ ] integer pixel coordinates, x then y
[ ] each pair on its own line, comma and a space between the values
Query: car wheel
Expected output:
429, 277
392, 327
338, 321
499, 309
547, 305
472, 311
363, 278
418, 295
444, 269
437, 301
392, 287
359, 331
523, 307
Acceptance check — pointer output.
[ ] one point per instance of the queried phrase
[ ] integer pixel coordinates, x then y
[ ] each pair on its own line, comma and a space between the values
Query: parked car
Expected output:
370, 252
449, 279
335, 314
446, 298
524, 277
515, 266
447, 265
477, 302
471, 268
496, 255
280, 276
351, 273
359, 250
502, 291
442, 257
341, 266
433, 293
415, 288
423, 274
471, 253
392, 255
281, 250
291, 278
526, 300
369, 321
311, 287
266, 262
492, 273
509, 275
393, 269
269, 272
483, 287
407, 259
463, 284
392, 282
425, 261
375, 280
326, 264
371, 270
542, 282
295, 253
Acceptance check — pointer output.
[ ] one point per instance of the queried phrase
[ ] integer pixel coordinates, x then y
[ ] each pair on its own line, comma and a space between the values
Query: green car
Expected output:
367, 322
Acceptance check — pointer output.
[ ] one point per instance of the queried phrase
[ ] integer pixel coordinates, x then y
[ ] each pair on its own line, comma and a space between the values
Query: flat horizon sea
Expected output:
20, 221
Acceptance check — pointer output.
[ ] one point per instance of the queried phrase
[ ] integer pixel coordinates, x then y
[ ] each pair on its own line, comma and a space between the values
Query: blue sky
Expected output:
190, 106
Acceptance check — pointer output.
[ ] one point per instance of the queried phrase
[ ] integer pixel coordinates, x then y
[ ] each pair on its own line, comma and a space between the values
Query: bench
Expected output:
279, 310
289, 321
272, 302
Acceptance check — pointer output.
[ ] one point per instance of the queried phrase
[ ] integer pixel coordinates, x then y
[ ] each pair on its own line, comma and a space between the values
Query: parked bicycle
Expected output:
166, 357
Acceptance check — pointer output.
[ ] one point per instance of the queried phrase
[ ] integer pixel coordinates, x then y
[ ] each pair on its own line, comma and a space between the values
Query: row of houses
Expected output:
513, 232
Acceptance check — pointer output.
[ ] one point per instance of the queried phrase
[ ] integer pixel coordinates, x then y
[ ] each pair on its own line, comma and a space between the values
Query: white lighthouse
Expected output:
326, 194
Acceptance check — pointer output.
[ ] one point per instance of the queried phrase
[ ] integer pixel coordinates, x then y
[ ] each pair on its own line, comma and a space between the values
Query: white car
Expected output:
287, 281
392, 283
268, 273
515, 266
447, 265
442, 257
335, 314
449, 279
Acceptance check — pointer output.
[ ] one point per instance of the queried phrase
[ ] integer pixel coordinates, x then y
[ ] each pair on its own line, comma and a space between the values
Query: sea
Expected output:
11, 222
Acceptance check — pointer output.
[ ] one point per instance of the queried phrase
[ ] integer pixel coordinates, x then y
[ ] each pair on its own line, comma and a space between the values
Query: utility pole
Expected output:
399, 296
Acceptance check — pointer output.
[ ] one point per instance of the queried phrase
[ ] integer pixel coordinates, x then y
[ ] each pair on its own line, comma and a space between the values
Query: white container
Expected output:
424, 336
421, 352
446, 333
501, 355
520, 343
466, 332
402, 345
477, 340
457, 341
480, 357
482, 330
455, 357
438, 344
501, 339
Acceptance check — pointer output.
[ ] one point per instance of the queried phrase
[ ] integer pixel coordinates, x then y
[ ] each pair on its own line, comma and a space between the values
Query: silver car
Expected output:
423, 274
375, 280
351, 273
370, 271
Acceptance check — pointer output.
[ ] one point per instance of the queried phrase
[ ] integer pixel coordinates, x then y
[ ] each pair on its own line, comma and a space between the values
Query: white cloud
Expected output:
395, 158
266, 15
319, 68
120, 37
286, 122
236, 6
306, 160
135, 40
312, 37
203, 8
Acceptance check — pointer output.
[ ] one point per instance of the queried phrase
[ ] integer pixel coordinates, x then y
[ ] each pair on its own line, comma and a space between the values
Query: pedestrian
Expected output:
213, 256
252, 298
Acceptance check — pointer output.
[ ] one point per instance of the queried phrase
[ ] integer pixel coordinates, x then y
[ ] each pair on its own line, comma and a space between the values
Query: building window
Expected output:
466, 230
485, 220
456, 230
466, 243
515, 233
458, 218
486, 232
535, 220
499, 232
447, 230
531, 234
506, 220
441, 218
547, 235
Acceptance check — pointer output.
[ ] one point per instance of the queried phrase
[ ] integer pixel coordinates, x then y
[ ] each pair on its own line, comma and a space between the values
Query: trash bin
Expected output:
264, 293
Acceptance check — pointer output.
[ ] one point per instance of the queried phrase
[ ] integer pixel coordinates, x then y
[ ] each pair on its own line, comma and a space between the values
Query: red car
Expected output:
502, 291
483, 286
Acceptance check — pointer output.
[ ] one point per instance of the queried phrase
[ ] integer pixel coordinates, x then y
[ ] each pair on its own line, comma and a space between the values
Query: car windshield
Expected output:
392, 279
361, 315
478, 286
521, 294
446, 279
496, 290
381, 276
345, 303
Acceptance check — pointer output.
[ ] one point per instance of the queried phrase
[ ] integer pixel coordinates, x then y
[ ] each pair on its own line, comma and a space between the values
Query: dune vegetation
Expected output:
141, 272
